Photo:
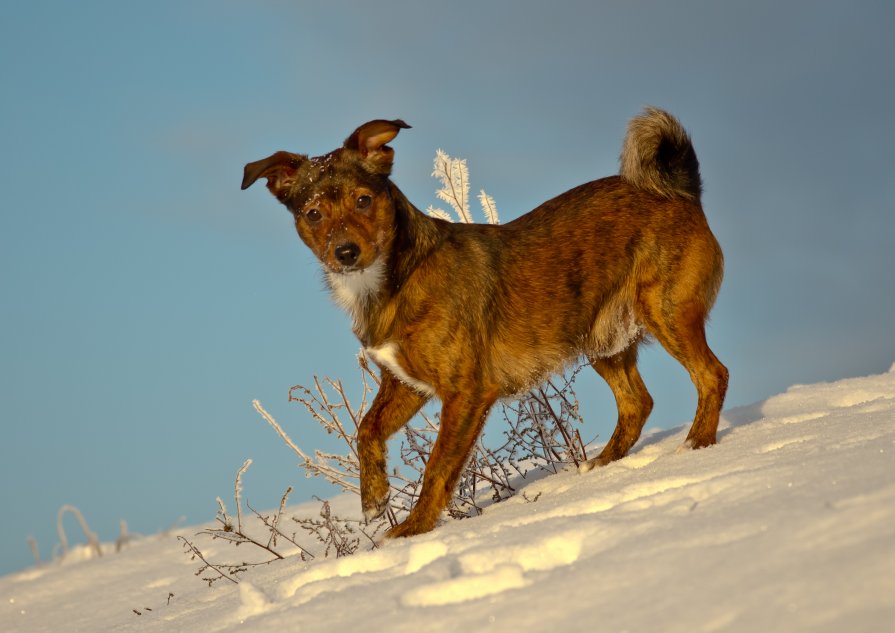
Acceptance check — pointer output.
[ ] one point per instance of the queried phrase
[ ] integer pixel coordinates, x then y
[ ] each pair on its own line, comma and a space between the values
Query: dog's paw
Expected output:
402, 530
695, 443
374, 510
414, 524
589, 465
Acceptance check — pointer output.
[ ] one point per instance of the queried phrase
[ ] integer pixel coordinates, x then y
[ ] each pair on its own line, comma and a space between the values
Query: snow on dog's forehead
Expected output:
332, 176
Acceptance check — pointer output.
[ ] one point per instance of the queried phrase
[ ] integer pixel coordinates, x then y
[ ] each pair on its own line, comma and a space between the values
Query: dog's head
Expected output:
341, 202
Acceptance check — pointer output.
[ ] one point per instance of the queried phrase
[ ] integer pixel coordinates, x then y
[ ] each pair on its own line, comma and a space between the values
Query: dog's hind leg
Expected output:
392, 408
681, 331
710, 378
632, 399
462, 419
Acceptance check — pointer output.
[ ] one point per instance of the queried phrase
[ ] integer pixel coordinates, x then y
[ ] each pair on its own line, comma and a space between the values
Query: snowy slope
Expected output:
788, 524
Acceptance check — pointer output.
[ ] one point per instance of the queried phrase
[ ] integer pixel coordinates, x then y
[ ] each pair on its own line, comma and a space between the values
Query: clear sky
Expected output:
145, 300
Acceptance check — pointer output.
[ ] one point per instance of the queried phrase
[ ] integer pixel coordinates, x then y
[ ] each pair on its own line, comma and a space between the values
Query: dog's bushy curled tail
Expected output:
657, 155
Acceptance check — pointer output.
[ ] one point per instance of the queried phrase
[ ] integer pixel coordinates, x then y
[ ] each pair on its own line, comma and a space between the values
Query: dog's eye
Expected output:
364, 202
313, 215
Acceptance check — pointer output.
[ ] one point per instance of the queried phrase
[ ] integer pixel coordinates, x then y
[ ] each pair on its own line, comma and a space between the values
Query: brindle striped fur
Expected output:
471, 313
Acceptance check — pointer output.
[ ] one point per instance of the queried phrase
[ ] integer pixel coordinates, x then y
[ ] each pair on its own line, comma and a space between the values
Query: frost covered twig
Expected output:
276, 518
195, 553
237, 490
92, 539
489, 208
454, 176
337, 535
273, 525
283, 435
238, 535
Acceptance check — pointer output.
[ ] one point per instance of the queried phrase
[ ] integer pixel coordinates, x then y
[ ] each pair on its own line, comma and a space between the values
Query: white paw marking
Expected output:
586, 467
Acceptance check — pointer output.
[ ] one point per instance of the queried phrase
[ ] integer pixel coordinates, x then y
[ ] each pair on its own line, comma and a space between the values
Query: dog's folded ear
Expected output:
370, 141
279, 169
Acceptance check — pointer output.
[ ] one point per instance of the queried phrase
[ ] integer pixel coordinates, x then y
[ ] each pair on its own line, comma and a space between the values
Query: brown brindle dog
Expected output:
471, 313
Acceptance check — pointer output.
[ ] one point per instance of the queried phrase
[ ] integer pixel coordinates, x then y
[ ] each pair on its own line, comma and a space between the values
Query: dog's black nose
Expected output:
347, 253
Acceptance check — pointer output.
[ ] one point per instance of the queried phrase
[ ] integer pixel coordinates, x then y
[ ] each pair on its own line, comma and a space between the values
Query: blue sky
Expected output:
145, 300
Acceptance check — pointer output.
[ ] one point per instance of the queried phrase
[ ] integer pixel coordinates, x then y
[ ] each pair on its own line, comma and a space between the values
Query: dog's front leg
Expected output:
462, 418
392, 408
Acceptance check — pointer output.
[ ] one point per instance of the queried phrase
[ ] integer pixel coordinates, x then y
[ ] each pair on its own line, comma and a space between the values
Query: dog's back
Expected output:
570, 277
563, 280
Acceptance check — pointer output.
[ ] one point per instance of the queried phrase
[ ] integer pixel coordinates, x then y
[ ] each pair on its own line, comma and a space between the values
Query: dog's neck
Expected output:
416, 234
364, 294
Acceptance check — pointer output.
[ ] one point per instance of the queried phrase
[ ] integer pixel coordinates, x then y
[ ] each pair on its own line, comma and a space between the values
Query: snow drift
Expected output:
787, 524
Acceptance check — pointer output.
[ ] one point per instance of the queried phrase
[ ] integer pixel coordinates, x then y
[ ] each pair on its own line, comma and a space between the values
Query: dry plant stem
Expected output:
92, 539
123, 536
280, 431
222, 512
276, 518
572, 447
329, 407
195, 551
333, 532
237, 489
238, 537
581, 446
35, 552
322, 465
550, 455
481, 461
273, 526
454, 177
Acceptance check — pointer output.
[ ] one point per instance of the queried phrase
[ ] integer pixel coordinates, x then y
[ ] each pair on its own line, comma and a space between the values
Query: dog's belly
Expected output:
517, 368
613, 333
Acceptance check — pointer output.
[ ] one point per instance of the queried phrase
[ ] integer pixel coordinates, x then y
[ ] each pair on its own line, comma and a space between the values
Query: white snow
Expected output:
788, 524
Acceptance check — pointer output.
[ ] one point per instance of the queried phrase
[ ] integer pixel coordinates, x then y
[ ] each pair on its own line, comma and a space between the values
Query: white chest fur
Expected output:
386, 355
352, 289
